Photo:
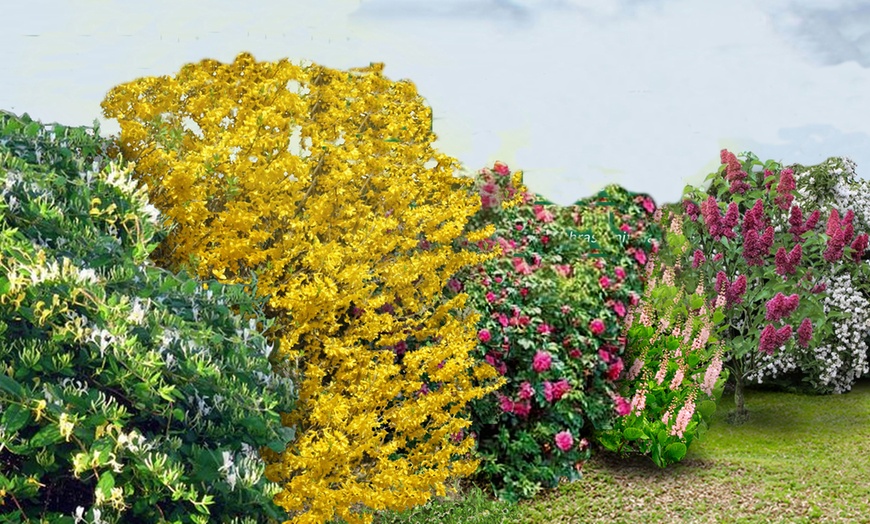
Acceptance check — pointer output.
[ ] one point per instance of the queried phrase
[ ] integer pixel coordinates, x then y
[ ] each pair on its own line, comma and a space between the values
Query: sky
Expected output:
577, 94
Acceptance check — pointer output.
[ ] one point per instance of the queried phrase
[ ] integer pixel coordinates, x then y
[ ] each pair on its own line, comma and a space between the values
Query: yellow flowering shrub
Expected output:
323, 185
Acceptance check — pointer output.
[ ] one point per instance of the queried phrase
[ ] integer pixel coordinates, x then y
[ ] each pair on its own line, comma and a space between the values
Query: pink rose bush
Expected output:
543, 327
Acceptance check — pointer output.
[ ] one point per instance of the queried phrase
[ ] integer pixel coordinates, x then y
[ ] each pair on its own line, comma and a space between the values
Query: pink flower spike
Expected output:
805, 332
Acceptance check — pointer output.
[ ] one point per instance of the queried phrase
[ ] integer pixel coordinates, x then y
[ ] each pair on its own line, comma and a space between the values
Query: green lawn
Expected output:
799, 458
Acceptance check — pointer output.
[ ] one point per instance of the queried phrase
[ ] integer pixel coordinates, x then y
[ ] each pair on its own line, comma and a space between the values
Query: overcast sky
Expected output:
576, 93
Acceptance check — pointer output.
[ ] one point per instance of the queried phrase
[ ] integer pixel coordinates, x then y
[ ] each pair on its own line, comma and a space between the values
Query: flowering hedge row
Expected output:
127, 393
551, 310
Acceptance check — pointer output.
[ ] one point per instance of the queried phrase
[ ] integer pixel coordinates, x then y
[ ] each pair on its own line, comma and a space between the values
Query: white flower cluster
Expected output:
42, 272
245, 468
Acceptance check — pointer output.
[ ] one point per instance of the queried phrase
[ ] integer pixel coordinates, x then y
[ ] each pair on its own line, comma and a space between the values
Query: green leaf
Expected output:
106, 483
14, 418
633, 433
609, 439
45, 437
10, 385
663, 436
189, 287
707, 408
676, 451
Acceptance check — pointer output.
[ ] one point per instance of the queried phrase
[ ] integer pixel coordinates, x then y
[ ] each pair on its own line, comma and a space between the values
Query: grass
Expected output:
798, 459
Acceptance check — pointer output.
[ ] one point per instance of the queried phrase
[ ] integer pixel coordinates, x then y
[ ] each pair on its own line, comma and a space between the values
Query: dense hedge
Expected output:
127, 393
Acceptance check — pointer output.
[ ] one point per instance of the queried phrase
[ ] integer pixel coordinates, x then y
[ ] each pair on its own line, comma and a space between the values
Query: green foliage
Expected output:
127, 393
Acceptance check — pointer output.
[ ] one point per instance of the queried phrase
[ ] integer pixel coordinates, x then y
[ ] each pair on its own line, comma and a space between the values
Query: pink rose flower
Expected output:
615, 369
620, 273
597, 326
619, 309
501, 168
526, 391
604, 282
640, 256
543, 214
484, 335
542, 361
564, 440
490, 296
507, 405
622, 406
522, 409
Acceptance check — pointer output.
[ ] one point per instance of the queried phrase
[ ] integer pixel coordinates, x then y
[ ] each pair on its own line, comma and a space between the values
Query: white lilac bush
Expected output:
127, 393
836, 363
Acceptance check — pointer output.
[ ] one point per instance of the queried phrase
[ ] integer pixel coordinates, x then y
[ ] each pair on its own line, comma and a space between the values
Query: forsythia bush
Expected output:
333, 233
127, 394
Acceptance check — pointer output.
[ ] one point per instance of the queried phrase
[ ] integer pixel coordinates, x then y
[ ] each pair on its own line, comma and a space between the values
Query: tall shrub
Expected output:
551, 316
127, 393
834, 363
323, 184
771, 278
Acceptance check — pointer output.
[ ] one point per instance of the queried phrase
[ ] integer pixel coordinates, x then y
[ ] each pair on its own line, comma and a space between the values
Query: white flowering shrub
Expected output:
127, 393
833, 365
